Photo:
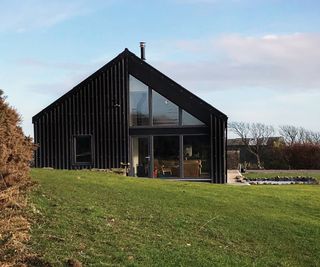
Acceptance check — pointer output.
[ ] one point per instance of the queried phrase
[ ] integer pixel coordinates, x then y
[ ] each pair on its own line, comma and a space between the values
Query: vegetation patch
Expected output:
297, 174
101, 219
15, 156
282, 180
14, 226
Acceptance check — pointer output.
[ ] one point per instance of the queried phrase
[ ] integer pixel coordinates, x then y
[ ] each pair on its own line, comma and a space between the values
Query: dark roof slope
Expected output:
78, 86
158, 81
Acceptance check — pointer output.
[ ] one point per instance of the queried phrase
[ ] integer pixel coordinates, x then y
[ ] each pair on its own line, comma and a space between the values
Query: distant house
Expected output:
237, 150
128, 112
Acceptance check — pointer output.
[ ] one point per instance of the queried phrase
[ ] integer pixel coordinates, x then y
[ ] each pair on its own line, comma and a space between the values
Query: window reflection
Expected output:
83, 151
164, 111
196, 153
139, 102
166, 156
188, 119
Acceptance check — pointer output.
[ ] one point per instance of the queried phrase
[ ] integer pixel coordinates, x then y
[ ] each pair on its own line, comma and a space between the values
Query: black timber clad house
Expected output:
129, 112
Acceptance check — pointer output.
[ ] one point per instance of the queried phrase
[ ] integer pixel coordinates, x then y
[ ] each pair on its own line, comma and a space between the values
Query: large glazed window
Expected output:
196, 153
166, 156
139, 102
164, 112
188, 119
83, 149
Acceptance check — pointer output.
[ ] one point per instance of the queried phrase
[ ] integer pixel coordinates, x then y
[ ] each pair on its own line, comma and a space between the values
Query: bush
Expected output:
303, 156
15, 148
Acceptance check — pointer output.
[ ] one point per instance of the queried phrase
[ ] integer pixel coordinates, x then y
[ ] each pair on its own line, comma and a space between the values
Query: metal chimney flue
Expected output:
142, 50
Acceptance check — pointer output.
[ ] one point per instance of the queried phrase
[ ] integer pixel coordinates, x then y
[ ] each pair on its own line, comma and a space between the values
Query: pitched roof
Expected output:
157, 81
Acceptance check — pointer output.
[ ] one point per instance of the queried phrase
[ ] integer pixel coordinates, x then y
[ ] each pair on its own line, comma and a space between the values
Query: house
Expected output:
128, 112
237, 146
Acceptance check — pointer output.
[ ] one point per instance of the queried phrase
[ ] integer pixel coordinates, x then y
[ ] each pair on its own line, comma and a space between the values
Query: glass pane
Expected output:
140, 156
188, 119
83, 149
139, 102
164, 112
166, 156
196, 152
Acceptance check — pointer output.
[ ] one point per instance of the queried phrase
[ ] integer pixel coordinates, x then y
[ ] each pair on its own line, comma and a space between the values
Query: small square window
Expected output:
83, 149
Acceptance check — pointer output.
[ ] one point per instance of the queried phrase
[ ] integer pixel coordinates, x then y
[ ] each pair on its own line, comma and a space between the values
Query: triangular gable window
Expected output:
164, 112
188, 119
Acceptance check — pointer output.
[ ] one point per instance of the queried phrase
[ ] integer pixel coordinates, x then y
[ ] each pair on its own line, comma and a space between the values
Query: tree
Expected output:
299, 135
254, 136
289, 133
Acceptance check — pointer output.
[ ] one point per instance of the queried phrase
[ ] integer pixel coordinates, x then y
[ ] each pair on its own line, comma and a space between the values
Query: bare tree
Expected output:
315, 137
299, 135
289, 133
255, 136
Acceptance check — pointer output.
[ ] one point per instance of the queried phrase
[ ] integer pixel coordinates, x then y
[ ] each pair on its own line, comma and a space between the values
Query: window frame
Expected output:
129, 102
75, 149
150, 112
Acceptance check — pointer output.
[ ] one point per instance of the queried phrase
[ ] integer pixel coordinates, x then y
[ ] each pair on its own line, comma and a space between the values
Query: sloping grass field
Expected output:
107, 220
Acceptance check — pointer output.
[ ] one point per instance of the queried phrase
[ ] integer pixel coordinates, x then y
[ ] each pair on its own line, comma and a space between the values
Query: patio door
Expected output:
141, 159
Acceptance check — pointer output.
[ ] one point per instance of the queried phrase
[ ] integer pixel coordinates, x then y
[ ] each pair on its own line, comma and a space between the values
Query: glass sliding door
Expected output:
166, 156
196, 153
140, 156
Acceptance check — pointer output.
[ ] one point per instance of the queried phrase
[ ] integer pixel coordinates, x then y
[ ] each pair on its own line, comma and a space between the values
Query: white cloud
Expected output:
272, 78
280, 62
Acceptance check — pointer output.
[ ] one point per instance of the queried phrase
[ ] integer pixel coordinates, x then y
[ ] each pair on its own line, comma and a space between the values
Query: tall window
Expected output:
139, 102
196, 153
83, 149
164, 112
166, 156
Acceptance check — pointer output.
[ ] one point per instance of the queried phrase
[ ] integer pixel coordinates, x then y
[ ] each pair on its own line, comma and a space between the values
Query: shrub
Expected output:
303, 156
15, 148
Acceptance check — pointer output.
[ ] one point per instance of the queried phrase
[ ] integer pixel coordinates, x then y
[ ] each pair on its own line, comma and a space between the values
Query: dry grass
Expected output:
14, 227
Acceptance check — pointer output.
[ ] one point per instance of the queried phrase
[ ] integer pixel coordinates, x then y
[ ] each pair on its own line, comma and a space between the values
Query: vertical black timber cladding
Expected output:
225, 138
220, 152
101, 122
98, 107
108, 134
211, 150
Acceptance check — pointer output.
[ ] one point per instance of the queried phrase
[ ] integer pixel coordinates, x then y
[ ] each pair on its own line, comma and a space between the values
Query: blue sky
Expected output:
255, 60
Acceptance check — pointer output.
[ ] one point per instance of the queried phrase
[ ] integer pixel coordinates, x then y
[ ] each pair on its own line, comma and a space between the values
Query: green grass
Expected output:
107, 220
252, 174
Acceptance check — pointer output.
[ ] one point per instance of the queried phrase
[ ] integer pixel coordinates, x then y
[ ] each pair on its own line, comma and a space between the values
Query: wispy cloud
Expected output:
21, 16
41, 64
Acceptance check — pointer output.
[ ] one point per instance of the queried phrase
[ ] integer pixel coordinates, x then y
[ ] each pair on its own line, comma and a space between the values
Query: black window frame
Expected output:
150, 111
75, 149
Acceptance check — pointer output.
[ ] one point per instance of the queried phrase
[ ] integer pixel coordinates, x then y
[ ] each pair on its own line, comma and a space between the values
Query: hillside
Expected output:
102, 220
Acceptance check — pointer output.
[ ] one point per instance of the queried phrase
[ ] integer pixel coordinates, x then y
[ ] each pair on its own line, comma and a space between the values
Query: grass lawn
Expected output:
107, 220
